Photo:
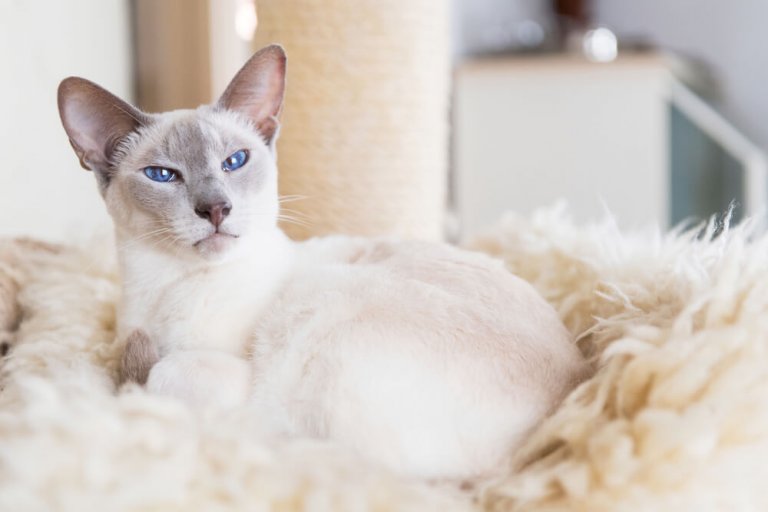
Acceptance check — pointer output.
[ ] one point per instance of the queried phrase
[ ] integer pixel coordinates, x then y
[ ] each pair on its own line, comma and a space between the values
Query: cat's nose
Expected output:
215, 213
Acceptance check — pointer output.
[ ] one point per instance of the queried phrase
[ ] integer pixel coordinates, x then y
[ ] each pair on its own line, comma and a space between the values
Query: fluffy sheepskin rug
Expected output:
675, 417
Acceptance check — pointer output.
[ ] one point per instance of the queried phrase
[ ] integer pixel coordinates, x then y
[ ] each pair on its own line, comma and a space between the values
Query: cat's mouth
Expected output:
216, 241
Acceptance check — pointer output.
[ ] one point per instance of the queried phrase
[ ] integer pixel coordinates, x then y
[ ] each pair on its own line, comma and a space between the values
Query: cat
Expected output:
424, 358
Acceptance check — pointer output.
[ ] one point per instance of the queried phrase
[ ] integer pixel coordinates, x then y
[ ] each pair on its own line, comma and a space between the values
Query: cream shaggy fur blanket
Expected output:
675, 417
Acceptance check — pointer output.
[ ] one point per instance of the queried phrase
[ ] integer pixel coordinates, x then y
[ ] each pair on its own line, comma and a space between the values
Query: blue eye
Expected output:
160, 174
235, 161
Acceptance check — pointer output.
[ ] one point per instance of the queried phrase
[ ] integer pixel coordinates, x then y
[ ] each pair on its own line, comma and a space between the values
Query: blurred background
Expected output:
420, 118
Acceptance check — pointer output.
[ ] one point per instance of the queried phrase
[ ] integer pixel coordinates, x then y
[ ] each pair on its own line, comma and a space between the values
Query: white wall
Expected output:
730, 36
43, 190
479, 25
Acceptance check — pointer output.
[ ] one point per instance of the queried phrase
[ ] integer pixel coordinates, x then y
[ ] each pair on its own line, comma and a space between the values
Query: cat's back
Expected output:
434, 286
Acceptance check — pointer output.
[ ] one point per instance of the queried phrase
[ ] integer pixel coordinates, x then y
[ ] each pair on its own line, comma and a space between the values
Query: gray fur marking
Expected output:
138, 359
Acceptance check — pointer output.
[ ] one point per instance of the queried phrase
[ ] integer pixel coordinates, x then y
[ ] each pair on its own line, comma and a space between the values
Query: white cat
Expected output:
430, 360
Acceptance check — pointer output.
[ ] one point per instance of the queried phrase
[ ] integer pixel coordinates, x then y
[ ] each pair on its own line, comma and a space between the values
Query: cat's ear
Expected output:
258, 89
95, 121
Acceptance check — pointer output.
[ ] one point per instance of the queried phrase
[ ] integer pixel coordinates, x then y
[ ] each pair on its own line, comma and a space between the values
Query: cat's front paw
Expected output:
202, 378
138, 358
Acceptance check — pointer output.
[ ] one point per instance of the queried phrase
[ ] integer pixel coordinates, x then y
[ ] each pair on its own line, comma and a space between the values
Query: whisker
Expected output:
292, 220
291, 198
144, 236
295, 213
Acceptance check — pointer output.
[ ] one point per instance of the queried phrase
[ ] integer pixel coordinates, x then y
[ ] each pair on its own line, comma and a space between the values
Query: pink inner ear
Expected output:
82, 125
268, 128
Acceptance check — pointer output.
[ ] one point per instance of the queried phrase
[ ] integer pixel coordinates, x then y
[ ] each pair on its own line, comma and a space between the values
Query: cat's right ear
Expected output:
257, 91
95, 121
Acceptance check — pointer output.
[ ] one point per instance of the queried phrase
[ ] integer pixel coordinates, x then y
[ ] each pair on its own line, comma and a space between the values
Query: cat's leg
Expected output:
202, 378
392, 400
139, 357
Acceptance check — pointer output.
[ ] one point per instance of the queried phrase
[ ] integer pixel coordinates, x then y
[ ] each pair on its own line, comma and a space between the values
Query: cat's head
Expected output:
193, 182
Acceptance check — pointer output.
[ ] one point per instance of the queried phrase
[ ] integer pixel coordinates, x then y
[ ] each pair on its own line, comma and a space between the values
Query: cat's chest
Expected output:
215, 312
206, 310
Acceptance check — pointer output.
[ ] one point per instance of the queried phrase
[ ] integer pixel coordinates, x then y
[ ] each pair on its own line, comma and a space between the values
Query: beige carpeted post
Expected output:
364, 138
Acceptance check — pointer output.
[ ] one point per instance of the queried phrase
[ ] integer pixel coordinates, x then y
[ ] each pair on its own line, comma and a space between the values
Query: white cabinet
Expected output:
627, 136
531, 130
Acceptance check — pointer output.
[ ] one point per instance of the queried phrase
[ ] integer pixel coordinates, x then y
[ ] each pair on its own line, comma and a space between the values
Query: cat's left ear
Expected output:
258, 89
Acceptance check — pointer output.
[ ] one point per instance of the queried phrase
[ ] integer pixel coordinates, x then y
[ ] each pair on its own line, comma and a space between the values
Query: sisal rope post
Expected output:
364, 141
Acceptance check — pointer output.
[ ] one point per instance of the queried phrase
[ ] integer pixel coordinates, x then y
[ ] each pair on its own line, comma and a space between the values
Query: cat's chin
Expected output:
215, 245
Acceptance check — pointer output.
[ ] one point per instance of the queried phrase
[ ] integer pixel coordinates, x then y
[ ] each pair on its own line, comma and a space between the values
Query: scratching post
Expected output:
364, 137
